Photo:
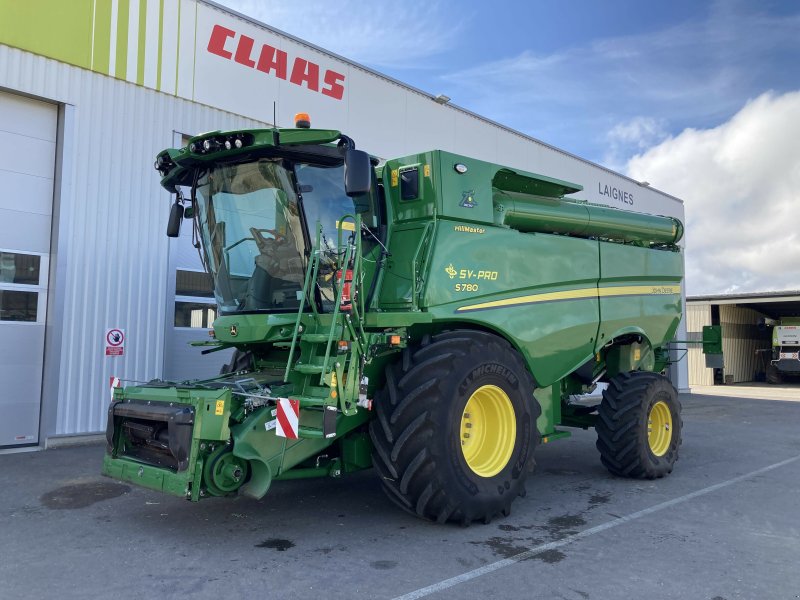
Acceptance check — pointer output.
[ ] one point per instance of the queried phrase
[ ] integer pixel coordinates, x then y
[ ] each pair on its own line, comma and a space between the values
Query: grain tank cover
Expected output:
533, 185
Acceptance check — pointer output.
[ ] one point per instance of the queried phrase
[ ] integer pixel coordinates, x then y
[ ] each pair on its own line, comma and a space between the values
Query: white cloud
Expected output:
631, 137
639, 131
377, 35
741, 185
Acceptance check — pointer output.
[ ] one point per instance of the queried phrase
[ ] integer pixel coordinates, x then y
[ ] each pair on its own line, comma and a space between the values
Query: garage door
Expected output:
27, 164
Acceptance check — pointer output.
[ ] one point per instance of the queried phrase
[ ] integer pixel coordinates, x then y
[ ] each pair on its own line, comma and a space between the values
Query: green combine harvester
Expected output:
435, 317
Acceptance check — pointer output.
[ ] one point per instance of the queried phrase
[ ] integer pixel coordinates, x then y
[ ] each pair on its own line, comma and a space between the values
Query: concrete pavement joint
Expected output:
491, 567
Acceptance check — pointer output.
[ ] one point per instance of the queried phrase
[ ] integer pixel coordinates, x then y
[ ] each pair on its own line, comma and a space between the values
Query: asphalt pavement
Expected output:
723, 526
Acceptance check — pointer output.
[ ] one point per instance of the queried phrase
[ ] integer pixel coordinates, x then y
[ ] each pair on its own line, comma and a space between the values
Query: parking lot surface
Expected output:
724, 525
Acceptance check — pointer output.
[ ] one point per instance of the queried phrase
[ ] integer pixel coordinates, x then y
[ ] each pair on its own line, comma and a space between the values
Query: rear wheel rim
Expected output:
488, 431
659, 428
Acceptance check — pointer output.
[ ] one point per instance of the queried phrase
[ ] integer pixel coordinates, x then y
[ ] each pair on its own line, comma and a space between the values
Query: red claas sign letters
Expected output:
228, 44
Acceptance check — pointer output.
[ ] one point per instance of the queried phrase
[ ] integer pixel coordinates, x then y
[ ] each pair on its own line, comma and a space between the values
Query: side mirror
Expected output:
357, 172
175, 218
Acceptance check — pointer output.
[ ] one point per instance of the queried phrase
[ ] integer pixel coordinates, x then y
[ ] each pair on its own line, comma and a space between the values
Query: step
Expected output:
317, 338
310, 432
306, 369
309, 401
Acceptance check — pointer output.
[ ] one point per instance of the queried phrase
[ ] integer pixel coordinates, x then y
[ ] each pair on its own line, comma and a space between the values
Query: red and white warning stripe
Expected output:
288, 418
114, 383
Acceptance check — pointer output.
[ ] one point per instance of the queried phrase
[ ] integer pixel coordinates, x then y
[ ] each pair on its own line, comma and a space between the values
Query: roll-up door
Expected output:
27, 164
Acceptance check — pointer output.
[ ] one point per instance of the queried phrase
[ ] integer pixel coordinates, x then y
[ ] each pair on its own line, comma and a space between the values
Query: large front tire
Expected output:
455, 428
639, 426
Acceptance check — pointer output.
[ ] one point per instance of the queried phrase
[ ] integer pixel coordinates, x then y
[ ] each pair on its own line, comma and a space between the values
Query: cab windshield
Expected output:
253, 234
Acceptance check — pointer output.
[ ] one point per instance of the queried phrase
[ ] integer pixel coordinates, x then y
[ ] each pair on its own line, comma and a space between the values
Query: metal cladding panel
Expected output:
740, 341
386, 137
112, 214
698, 315
471, 132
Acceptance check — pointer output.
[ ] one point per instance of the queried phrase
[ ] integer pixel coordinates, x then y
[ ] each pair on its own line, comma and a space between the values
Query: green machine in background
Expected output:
783, 360
436, 317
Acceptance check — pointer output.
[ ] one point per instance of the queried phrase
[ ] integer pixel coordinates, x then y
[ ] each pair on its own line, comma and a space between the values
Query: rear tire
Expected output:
639, 426
455, 428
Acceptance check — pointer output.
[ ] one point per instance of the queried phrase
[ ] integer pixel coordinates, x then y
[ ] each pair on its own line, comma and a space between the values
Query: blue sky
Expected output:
698, 98
602, 79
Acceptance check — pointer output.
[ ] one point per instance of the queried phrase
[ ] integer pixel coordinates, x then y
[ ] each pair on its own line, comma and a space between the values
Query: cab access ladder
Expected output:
326, 375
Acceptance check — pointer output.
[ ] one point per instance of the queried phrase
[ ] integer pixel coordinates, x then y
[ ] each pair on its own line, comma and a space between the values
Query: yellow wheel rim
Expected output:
488, 430
659, 428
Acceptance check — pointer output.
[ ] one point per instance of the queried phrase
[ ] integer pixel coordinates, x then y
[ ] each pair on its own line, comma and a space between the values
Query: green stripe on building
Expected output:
123, 20
178, 48
63, 31
142, 41
160, 42
102, 37
79, 32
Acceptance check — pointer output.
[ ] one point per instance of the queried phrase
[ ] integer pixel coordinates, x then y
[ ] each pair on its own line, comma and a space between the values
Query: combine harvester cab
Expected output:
434, 317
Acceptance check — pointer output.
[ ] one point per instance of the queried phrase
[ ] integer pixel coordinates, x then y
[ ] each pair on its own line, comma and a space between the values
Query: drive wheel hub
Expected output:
488, 431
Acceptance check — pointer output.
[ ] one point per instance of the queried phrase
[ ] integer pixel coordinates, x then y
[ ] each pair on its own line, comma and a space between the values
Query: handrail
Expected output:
358, 278
357, 309
311, 275
336, 308
348, 251
423, 238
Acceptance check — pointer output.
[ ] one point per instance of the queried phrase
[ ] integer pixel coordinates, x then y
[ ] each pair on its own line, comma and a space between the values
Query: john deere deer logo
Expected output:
468, 199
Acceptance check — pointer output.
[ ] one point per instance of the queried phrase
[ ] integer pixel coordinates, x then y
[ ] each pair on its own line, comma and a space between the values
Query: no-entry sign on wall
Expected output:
115, 342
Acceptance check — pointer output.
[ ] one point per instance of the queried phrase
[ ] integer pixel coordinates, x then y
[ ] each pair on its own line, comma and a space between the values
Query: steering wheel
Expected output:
258, 236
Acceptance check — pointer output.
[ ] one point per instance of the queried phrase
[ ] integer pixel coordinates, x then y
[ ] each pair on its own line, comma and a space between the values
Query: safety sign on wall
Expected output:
115, 342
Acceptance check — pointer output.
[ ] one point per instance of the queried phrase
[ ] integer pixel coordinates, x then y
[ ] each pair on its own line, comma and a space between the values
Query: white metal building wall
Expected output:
110, 221
740, 343
698, 315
